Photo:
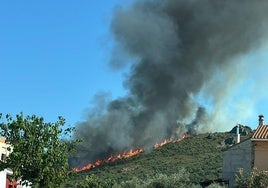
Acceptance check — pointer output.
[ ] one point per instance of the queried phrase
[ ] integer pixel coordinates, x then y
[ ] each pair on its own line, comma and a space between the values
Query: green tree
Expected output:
39, 154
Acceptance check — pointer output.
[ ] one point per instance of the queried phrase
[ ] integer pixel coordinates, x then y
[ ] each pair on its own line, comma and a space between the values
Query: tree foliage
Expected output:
179, 179
176, 180
92, 181
39, 155
256, 178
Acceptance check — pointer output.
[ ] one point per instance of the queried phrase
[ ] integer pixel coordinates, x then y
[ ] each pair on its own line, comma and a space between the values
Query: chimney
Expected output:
237, 134
261, 119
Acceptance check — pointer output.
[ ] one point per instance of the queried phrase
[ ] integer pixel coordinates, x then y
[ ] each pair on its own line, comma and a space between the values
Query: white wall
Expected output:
3, 176
23, 186
4, 148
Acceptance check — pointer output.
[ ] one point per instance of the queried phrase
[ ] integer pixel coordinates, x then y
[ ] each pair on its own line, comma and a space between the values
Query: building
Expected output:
4, 182
248, 154
260, 146
5, 150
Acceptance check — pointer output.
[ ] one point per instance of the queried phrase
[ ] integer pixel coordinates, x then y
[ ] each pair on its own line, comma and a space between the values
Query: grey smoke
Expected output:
177, 49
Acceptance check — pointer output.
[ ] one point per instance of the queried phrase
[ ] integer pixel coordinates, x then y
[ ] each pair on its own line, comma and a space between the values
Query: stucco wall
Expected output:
3, 176
4, 149
238, 156
260, 155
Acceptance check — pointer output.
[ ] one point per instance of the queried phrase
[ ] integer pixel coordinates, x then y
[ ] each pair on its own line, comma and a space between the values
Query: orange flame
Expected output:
128, 154
112, 158
167, 141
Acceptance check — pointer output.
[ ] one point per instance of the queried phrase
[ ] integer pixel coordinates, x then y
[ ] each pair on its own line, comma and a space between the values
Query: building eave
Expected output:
259, 139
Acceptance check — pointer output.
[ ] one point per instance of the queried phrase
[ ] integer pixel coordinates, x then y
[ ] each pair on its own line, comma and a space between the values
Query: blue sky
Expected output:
54, 56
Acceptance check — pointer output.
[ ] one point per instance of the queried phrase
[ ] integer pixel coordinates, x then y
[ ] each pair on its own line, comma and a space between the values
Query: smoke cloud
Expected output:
186, 59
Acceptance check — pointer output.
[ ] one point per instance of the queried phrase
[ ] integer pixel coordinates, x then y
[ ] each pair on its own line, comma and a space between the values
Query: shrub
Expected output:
177, 180
133, 183
257, 178
215, 185
91, 181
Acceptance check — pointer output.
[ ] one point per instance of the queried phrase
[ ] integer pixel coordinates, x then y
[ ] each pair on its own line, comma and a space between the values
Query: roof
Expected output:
2, 139
261, 133
236, 144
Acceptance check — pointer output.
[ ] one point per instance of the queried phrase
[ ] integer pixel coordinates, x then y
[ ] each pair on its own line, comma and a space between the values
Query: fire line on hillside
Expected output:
125, 155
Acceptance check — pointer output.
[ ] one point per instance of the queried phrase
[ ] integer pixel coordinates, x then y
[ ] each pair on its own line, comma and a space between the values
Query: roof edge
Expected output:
258, 139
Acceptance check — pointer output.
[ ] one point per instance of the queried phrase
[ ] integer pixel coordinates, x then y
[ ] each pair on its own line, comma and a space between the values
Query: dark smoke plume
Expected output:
178, 50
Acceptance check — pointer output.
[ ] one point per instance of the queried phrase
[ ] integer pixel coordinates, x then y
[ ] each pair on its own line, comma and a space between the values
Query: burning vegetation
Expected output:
111, 159
167, 141
126, 155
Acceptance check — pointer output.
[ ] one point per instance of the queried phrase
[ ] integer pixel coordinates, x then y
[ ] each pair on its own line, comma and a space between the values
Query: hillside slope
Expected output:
200, 155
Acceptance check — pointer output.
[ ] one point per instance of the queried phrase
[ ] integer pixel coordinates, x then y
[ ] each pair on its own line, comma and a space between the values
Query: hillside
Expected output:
200, 155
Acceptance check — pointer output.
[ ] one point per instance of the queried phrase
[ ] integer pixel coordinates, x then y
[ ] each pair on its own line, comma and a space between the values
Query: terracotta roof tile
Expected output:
261, 132
2, 139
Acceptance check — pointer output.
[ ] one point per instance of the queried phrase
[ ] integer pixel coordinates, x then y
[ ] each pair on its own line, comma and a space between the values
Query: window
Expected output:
3, 157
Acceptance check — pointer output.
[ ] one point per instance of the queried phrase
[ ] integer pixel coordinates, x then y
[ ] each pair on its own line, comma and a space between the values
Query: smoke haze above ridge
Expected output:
182, 54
